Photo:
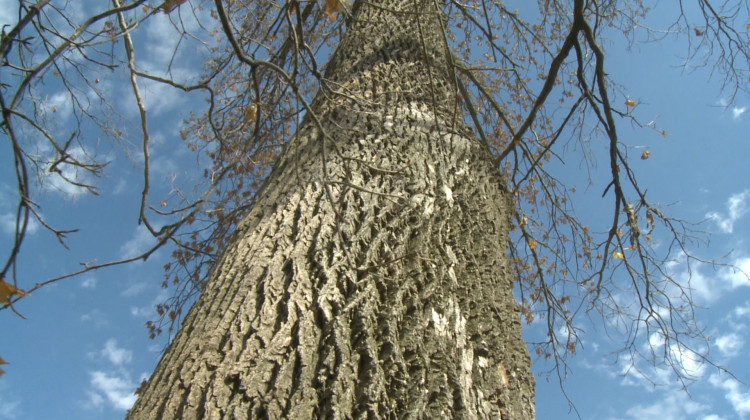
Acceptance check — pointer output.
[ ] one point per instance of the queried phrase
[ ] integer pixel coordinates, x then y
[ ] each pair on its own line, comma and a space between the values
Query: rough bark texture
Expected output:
370, 278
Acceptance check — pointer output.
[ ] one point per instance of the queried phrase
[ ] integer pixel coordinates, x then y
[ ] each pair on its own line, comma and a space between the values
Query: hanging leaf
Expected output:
2, 362
698, 32
251, 113
332, 7
629, 103
8, 290
532, 244
645, 154
618, 255
170, 5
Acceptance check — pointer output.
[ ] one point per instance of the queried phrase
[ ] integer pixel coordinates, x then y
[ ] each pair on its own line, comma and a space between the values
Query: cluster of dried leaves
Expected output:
530, 86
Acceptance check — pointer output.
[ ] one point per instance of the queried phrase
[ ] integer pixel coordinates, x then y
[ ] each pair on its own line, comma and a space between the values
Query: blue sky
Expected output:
84, 349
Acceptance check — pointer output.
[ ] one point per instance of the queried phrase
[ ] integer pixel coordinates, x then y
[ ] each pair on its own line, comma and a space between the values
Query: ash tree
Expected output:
371, 188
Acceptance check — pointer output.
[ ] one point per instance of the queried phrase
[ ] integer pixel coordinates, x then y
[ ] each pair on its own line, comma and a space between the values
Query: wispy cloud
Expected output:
8, 203
89, 282
676, 405
148, 309
7, 15
96, 317
117, 390
113, 386
707, 284
729, 344
742, 310
134, 289
736, 208
62, 177
60, 105
116, 355
735, 393
10, 409
120, 187
8, 224
702, 288
737, 275
10, 404
139, 243
738, 111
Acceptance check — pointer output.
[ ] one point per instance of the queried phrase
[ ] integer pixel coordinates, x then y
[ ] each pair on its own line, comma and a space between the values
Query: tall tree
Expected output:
370, 278
372, 272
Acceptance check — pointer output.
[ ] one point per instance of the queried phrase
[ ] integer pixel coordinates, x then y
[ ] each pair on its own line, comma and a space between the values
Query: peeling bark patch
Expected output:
448, 195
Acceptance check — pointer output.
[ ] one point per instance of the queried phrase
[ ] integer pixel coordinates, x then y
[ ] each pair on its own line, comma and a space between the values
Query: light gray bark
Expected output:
370, 279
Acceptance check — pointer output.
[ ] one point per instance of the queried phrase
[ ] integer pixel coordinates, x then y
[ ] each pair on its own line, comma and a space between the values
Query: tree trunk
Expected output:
370, 279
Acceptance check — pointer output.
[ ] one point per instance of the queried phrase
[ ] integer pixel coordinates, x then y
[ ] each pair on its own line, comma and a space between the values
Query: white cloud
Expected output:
112, 386
89, 282
148, 310
676, 405
702, 287
134, 289
8, 12
10, 409
159, 98
118, 390
8, 224
741, 311
738, 275
165, 166
167, 46
96, 317
139, 243
60, 179
706, 288
120, 187
142, 311
734, 393
167, 54
116, 355
736, 204
738, 111
59, 105
659, 362
736, 208
730, 344
94, 400
163, 39
689, 362
10, 404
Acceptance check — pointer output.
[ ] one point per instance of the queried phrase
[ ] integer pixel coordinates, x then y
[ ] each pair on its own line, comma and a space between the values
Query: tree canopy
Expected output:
533, 84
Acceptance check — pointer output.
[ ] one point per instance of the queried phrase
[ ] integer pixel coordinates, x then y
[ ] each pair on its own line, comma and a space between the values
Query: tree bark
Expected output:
369, 279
